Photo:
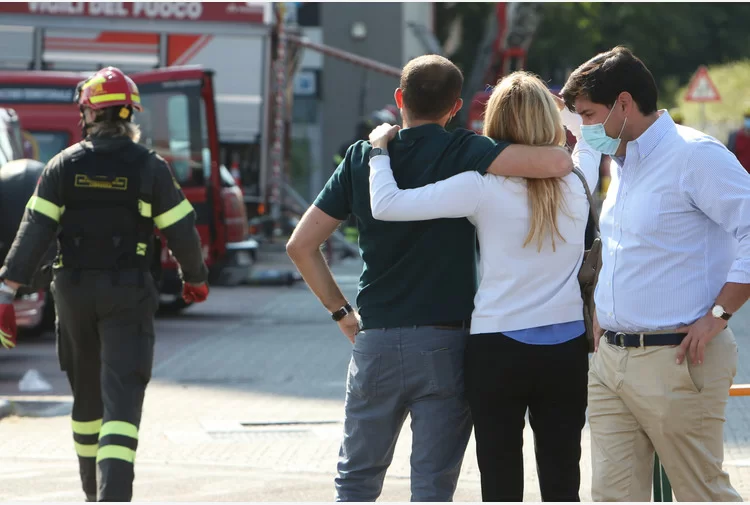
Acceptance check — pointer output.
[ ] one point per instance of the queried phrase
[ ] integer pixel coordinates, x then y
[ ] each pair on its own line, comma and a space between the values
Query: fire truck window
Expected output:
6, 148
179, 136
170, 126
206, 151
44, 145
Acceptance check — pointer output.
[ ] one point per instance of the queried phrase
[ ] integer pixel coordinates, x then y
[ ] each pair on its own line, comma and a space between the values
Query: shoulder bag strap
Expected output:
592, 213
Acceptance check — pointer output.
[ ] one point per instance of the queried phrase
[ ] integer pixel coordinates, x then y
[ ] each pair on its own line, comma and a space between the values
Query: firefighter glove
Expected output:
7, 318
195, 293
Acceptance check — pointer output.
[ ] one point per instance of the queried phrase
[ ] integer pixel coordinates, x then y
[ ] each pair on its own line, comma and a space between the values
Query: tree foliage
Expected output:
673, 39
719, 118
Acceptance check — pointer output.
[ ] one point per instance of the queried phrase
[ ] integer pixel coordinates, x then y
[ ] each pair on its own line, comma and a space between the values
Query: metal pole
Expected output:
163, 50
277, 149
662, 486
703, 116
343, 55
265, 139
38, 48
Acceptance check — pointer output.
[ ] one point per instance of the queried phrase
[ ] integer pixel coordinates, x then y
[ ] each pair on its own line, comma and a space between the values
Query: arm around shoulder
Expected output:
455, 197
535, 162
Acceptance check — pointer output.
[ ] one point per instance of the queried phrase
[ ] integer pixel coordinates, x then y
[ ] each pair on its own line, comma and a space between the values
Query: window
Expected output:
10, 145
44, 145
6, 148
171, 125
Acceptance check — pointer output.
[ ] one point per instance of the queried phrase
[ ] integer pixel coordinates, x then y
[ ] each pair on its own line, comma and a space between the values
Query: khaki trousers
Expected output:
641, 400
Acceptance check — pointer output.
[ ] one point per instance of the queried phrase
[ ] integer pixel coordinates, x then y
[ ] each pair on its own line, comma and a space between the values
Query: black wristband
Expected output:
343, 311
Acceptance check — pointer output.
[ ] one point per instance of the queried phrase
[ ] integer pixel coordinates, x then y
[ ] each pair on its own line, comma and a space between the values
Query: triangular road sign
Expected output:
701, 88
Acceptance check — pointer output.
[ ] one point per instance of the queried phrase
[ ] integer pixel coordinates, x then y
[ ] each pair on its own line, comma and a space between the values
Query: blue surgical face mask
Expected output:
597, 138
747, 123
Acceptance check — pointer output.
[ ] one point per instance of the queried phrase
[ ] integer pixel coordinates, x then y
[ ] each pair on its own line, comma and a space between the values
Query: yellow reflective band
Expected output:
6, 341
110, 97
173, 215
87, 427
144, 208
115, 452
96, 80
86, 450
135, 98
119, 428
45, 207
140, 249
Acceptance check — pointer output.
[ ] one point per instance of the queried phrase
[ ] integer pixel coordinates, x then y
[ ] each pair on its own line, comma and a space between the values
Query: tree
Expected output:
731, 80
672, 39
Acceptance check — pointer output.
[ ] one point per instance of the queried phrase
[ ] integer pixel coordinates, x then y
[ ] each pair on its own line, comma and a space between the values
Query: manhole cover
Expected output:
255, 435
249, 430
286, 423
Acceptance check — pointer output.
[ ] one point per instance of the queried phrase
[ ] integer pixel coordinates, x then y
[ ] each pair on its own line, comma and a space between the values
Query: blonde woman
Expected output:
527, 349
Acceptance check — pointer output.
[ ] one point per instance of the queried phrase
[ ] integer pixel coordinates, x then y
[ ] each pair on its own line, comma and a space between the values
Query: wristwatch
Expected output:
343, 311
377, 151
719, 313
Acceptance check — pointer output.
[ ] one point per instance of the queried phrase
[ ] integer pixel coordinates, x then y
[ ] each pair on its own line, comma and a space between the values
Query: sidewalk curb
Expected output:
36, 406
6, 408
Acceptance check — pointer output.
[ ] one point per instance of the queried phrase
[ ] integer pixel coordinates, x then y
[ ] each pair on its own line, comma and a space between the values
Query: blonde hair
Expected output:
521, 110
107, 126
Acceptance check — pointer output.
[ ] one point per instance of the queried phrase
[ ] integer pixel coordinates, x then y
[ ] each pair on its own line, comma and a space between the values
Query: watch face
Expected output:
717, 311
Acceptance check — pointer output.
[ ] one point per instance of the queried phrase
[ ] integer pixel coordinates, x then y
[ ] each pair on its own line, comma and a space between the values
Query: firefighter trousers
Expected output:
105, 344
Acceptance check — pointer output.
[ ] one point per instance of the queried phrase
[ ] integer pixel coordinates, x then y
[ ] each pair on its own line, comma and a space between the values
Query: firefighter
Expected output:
101, 198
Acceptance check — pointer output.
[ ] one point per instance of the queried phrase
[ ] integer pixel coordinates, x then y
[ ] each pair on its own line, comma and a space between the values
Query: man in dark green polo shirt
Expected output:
416, 289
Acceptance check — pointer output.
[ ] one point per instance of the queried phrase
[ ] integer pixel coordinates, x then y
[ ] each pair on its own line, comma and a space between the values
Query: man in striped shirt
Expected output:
676, 264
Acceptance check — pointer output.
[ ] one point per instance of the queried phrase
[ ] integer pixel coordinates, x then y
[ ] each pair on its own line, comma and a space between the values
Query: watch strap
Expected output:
724, 315
377, 151
342, 312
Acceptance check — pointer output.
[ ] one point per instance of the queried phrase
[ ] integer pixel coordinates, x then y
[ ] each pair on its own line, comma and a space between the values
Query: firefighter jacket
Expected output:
101, 199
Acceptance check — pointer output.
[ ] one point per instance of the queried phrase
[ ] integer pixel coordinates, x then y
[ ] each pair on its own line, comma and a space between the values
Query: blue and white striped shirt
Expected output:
675, 227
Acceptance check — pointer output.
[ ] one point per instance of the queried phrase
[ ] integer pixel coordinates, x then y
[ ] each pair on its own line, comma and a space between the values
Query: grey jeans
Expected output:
392, 372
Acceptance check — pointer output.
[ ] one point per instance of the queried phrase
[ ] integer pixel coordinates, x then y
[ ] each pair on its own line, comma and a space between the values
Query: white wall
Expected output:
238, 82
419, 13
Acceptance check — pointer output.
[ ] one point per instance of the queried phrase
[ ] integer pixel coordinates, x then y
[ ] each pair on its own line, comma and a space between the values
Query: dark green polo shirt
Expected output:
417, 272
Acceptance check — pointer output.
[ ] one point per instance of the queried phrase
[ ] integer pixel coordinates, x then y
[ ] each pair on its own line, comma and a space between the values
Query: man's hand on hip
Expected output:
699, 334
598, 332
349, 325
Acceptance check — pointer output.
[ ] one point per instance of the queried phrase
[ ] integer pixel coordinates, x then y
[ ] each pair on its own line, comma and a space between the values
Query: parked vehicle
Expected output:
35, 310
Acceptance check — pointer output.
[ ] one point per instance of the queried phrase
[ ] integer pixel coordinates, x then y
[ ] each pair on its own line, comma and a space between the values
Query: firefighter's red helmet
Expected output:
109, 87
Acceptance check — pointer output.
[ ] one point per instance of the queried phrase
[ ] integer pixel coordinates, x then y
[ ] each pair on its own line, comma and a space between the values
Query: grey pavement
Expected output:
246, 404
